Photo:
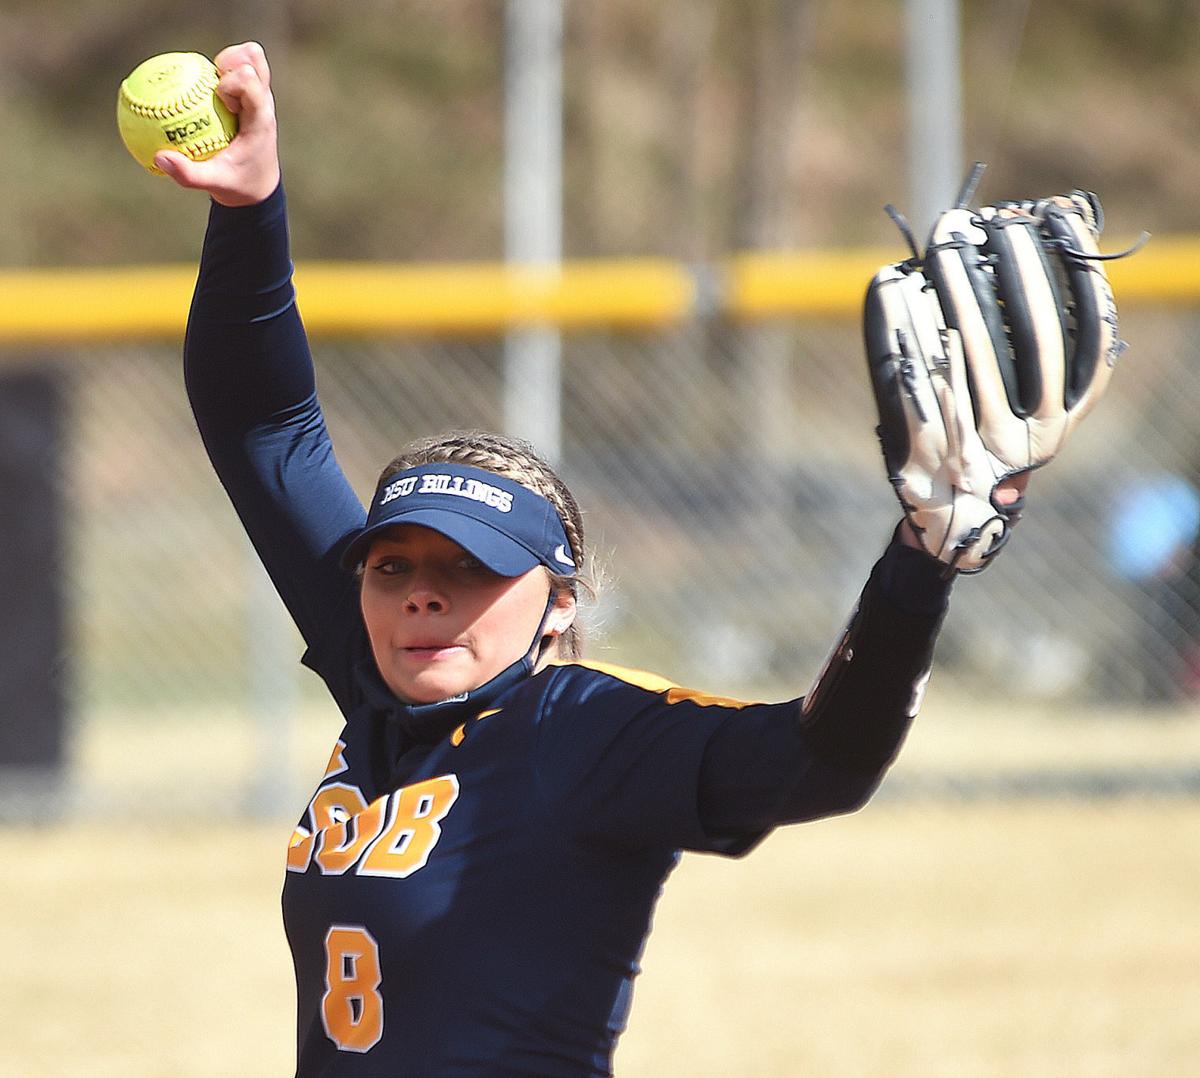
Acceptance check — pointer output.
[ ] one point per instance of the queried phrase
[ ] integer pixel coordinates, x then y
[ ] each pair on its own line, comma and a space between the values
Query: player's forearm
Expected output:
776, 764
246, 356
864, 701
250, 380
246, 267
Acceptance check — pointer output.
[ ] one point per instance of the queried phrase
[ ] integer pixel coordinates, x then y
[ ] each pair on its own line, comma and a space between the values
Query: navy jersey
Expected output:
470, 887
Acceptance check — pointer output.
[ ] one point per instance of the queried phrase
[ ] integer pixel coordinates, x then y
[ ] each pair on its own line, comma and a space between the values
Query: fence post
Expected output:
33, 654
533, 212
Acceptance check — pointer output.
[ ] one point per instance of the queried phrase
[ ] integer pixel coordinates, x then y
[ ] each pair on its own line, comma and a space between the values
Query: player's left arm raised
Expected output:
985, 352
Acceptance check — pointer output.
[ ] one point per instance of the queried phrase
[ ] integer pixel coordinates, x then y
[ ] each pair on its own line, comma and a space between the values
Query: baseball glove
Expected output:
985, 352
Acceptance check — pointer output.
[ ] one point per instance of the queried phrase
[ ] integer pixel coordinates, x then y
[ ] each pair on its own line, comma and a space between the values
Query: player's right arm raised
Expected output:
247, 364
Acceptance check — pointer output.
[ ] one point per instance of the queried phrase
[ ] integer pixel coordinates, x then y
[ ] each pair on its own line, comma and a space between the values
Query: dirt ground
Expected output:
920, 938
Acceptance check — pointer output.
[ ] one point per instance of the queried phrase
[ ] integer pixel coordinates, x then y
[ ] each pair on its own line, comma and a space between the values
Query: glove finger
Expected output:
901, 320
1027, 287
936, 461
967, 293
898, 318
1096, 344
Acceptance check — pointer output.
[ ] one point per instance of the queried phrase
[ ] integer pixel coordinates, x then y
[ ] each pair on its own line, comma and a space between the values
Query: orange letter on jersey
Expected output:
338, 852
413, 829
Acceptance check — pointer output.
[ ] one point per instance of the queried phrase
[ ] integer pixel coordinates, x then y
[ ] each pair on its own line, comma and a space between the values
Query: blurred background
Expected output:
722, 164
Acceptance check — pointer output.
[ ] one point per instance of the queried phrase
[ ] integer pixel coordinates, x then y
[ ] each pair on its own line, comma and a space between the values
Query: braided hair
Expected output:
515, 459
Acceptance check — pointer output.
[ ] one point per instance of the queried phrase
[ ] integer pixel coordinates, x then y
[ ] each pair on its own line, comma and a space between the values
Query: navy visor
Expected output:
508, 527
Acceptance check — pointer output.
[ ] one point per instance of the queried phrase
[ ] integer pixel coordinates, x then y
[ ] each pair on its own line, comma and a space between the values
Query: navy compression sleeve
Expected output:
250, 380
828, 755
864, 701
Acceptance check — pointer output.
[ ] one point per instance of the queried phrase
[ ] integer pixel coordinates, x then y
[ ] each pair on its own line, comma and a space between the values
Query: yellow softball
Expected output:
169, 102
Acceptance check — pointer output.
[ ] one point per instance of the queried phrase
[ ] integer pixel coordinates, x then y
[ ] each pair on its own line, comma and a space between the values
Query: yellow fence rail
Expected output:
39, 307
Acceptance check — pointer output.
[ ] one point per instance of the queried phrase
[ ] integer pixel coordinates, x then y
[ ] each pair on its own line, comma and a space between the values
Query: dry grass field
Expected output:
1030, 939
919, 937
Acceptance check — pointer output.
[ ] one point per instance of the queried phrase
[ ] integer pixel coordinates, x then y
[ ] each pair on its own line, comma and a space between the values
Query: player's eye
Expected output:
470, 564
390, 565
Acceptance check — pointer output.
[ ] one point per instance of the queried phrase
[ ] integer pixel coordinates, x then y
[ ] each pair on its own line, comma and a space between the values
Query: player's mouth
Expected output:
432, 652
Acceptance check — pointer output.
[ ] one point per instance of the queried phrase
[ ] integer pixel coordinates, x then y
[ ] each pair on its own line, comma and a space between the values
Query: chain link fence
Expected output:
734, 497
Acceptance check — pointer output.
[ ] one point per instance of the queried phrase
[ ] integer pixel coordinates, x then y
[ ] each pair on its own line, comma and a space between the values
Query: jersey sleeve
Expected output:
251, 384
630, 759
619, 755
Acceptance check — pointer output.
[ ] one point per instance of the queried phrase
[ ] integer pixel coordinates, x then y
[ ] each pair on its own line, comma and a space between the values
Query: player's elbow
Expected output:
854, 792
829, 789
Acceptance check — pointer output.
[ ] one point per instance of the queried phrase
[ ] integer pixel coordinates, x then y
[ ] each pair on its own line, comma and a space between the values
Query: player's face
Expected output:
440, 623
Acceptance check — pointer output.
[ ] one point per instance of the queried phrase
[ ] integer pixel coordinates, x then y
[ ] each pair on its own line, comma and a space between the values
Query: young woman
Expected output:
471, 885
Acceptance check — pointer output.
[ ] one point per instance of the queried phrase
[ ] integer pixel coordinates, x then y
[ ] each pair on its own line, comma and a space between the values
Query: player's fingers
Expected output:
235, 85
183, 170
246, 96
1012, 488
257, 56
1009, 495
230, 179
248, 52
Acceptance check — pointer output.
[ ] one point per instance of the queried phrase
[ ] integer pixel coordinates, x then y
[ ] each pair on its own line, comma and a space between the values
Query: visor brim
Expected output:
500, 552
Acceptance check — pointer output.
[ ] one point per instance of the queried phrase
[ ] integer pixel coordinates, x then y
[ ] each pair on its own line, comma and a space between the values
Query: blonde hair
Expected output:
517, 460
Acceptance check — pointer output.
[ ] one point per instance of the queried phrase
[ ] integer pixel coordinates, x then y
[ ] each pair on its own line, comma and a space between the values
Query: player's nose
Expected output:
426, 602
427, 594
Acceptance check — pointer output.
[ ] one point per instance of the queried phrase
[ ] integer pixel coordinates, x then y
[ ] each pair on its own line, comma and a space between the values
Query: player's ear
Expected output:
562, 615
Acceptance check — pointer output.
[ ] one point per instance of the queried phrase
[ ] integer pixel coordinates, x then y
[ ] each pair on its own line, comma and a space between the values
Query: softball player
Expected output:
470, 887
